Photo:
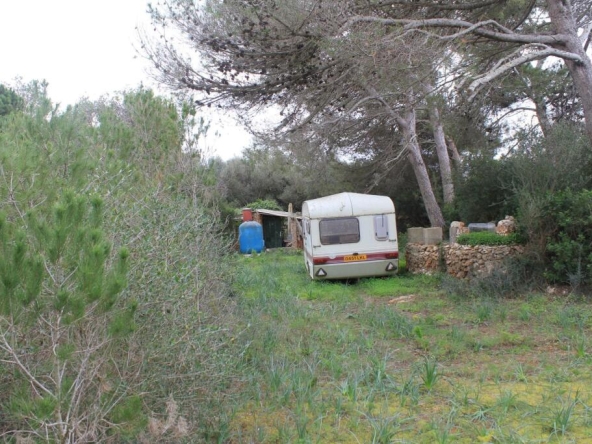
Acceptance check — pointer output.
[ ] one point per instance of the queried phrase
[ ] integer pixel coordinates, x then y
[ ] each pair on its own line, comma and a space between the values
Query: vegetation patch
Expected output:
490, 238
360, 362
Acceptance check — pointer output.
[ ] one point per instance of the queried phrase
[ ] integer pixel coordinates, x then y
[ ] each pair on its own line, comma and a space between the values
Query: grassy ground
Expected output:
399, 360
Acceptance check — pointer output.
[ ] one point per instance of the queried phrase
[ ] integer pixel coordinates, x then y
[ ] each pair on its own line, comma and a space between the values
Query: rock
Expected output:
454, 232
506, 226
401, 299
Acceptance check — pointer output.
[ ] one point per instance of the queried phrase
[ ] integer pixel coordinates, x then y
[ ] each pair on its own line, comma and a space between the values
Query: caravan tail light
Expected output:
320, 260
393, 255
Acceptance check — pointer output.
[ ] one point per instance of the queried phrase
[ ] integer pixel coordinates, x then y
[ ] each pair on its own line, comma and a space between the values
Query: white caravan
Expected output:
350, 235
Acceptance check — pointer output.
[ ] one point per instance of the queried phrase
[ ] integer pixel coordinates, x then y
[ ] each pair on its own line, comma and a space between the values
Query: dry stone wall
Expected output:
461, 261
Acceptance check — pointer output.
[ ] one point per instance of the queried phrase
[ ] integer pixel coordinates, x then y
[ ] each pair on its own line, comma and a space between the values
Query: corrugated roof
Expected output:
278, 213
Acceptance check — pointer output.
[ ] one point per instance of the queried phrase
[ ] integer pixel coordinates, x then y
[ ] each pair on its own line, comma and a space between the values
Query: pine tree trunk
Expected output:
407, 126
442, 151
562, 19
454, 151
542, 115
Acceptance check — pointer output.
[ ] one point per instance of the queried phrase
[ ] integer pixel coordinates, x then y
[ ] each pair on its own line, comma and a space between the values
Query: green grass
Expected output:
400, 360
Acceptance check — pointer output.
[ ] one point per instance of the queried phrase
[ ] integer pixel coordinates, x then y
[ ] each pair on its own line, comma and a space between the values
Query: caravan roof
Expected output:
347, 204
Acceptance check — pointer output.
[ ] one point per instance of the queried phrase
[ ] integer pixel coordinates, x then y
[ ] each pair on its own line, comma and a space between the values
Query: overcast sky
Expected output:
86, 48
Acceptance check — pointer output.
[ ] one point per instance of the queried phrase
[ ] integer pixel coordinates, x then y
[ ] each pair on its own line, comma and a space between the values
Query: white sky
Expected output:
86, 48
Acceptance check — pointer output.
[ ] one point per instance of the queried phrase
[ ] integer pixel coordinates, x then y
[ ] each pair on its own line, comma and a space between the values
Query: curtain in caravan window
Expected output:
381, 227
343, 230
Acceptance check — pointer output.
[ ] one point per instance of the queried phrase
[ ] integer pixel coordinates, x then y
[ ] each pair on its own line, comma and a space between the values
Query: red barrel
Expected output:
247, 215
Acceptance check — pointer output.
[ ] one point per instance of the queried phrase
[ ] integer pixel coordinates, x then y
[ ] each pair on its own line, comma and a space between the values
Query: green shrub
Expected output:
542, 168
489, 238
481, 190
265, 204
59, 288
88, 328
569, 251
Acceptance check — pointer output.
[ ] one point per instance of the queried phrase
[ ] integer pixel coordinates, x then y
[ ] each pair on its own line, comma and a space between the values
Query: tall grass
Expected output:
346, 362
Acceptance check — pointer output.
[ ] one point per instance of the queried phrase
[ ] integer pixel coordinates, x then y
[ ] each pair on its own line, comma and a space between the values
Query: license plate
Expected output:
355, 257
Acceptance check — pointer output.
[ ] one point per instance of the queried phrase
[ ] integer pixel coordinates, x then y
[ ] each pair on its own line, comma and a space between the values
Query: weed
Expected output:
283, 432
484, 311
328, 291
384, 429
572, 317
506, 401
334, 366
457, 290
389, 321
443, 433
477, 345
481, 414
376, 374
418, 332
457, 335
408, 391
504, 435
216, 429
421, 342
524, 313
580, 346
349, 388
430, 373
520, 373
301, 421
303, 385
562, 418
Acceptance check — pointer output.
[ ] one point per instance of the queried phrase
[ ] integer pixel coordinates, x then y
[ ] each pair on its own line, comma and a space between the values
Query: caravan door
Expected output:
308, 256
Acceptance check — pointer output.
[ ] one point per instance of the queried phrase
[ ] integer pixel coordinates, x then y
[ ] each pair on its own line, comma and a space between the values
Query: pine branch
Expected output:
509, 63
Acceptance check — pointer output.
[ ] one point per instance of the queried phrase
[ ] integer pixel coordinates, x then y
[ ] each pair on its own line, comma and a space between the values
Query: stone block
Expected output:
415, 235
455, 228
432, 236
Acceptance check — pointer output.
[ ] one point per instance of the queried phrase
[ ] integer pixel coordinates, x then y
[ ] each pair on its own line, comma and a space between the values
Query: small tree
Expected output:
9, 101
59, 326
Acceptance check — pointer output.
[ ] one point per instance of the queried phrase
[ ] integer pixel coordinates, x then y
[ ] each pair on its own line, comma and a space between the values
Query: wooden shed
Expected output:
280, 228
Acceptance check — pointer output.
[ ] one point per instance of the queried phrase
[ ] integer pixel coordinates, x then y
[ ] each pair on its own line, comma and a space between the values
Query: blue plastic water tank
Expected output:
250, 237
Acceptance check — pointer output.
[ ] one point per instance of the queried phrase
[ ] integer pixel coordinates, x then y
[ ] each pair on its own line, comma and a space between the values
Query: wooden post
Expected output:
292, 227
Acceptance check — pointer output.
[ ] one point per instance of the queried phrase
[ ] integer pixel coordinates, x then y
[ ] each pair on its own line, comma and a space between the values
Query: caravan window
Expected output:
343, 230
381, 227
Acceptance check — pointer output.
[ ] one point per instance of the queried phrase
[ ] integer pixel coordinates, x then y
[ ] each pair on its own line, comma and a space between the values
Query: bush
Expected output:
61, 324
568, 215
483, 191
98, 341
541, 169
490, 238
265, 204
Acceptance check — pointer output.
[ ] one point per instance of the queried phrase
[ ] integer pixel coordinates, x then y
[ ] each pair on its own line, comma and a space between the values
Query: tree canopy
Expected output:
9, 101
257, 51
360, 76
